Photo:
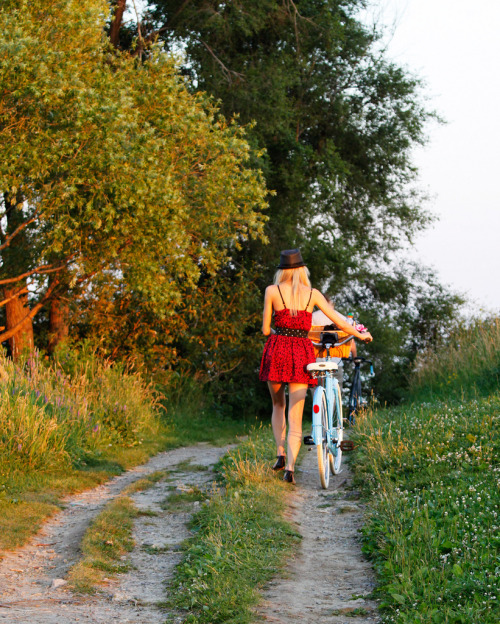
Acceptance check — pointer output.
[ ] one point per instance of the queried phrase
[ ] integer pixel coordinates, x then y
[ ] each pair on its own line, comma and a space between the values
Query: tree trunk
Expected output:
114, 32
15, 311
15, 260
58, 323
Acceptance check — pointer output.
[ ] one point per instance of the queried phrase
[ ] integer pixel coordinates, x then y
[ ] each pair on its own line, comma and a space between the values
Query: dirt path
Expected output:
327, 580
29, 576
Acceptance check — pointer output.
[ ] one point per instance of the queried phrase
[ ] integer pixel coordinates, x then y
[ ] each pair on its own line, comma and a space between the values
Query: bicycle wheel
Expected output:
338, 423
320, 416
354, 397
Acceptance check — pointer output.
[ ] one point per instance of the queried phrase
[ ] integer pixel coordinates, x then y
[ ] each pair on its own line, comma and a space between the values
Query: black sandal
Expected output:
288, 477
280, 463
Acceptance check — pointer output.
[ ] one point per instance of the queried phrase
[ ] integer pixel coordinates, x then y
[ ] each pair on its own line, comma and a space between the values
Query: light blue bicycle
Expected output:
327, 424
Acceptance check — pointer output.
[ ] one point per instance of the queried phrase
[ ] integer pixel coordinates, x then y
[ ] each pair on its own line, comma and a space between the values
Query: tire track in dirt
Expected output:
329, 579
27, 594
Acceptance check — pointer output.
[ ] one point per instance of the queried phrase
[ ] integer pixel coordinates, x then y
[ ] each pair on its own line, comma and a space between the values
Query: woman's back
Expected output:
282, 297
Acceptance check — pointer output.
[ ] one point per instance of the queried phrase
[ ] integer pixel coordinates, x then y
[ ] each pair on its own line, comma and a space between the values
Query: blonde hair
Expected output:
298, 276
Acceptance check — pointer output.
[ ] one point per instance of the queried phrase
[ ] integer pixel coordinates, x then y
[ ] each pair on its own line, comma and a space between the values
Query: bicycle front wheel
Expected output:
320, 415
338, 423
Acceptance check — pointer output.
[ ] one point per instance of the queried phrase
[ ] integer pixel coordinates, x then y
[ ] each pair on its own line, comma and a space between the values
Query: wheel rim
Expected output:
323, 452
339, 434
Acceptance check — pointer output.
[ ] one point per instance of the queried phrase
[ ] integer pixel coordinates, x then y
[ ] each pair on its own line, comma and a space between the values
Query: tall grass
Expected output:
53, 415
468, 363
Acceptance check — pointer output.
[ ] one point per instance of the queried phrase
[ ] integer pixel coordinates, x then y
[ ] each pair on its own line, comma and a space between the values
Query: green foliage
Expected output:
192, 415
134, 188
338, 120
240, 539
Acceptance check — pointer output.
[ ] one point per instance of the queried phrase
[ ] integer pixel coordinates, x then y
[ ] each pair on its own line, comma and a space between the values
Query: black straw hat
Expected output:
291, 259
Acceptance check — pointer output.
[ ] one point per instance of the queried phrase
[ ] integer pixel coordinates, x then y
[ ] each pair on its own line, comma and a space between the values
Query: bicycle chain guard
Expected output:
347, 445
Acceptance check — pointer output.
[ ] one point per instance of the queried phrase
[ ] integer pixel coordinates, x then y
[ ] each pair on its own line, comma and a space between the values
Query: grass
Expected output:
105, 546
431, 471
109, 538
178, 500
466, 365
239, 540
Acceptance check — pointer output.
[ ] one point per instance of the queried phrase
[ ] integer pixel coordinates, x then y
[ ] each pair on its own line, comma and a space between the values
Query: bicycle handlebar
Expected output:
336, 344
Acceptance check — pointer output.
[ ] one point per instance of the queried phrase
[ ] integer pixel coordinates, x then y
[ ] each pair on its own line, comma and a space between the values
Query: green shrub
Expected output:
55, 414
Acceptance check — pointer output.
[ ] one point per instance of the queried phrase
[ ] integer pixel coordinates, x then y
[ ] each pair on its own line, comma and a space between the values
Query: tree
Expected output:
408, 310
120, 174
337, 119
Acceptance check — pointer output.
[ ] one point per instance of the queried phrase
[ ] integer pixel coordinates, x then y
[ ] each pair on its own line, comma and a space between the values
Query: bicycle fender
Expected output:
317, 432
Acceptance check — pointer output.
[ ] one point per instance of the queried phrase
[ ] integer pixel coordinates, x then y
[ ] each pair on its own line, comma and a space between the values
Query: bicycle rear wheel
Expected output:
320, 415
354, 397
338, 423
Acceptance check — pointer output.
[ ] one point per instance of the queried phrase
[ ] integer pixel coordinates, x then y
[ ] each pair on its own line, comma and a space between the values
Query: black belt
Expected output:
291, 333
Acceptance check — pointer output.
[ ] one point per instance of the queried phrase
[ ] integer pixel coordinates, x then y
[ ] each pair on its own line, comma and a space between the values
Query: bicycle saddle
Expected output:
322, 366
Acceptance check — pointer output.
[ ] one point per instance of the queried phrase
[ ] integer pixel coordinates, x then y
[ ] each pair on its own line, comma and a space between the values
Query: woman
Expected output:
288, 351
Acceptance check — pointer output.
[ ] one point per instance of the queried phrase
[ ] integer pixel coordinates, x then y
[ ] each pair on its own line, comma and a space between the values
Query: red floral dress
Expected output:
285, 358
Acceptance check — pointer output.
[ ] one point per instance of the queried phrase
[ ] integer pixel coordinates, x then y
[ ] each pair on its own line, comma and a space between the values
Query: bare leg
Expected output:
277, 391
296, 397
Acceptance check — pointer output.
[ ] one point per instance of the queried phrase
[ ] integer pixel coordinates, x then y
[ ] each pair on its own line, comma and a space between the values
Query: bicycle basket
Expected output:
341, 351
316, 335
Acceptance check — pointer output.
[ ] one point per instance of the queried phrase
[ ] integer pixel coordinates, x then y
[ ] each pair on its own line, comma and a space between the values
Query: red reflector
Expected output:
316, 409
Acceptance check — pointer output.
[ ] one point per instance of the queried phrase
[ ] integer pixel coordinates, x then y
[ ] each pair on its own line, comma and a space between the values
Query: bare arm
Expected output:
267, 314
319, 300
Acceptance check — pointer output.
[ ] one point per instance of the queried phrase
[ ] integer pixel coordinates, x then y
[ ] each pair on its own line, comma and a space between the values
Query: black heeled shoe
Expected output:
288, 477
280, 463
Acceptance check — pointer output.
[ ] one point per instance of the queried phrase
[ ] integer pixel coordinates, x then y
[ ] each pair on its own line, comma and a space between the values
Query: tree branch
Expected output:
228, 73
16, 231
23, 291
42, 270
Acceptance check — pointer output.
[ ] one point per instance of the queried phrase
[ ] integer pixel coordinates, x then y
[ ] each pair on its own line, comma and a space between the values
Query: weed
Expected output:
151, 549
467, 365
71, 424
347, 509
351, 612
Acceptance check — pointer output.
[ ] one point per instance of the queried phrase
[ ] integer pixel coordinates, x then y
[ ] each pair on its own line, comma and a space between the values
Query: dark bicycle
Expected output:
356, 401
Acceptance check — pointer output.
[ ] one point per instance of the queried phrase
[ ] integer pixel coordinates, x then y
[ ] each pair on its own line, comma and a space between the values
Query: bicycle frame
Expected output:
328, 390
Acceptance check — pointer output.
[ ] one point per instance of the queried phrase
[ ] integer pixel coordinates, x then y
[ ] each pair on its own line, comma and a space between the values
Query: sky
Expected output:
454, 45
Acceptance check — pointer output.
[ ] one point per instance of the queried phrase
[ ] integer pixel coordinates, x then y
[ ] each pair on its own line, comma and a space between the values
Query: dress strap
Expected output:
310, 295
281, 296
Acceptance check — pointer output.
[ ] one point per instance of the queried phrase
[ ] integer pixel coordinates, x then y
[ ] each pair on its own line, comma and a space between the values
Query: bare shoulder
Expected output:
271, 291
316, 295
